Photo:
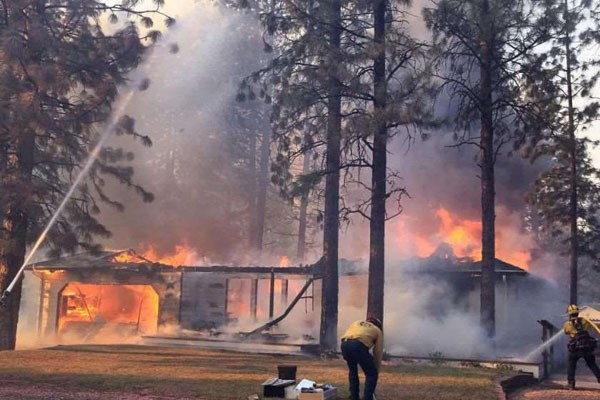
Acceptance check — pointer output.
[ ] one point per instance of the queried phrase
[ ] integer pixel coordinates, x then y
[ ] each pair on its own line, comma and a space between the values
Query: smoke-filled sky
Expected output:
184, 112
194, 72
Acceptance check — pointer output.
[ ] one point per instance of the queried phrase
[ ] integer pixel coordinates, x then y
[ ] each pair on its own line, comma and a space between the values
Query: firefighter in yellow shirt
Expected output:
356, 342
581, 344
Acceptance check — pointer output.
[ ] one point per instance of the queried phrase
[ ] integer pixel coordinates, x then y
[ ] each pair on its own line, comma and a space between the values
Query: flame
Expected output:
127, 257
85, 306
183, 255
284, 261
416, 237
463, 235
424, 246
238, 298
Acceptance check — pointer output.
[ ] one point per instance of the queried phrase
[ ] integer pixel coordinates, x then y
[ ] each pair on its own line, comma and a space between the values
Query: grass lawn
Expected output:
137, 372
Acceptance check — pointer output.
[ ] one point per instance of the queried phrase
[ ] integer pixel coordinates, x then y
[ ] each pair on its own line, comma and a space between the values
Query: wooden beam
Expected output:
254, 298
272, 295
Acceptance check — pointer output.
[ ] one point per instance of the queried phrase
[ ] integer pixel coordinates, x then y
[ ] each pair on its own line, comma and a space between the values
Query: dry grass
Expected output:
150, 372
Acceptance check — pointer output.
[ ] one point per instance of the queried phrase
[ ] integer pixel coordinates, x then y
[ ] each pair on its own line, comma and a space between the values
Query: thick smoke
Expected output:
422, 317
189, 112
442, 180
426, 316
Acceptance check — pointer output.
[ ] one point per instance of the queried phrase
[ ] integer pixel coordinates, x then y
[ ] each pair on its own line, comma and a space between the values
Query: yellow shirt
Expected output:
570, 330
369, 335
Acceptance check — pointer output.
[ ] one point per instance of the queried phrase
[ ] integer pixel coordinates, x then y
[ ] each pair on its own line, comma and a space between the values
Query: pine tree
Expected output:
59, 76
566, 195
379, 167
303, 77
402, 92
487, 58
311, 76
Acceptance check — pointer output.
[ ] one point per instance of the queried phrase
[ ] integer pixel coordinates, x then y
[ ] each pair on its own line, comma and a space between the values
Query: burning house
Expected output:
432, 305
89, 297
86, 297
462, 276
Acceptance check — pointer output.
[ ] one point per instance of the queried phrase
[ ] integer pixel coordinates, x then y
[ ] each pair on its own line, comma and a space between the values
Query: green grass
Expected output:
209, 374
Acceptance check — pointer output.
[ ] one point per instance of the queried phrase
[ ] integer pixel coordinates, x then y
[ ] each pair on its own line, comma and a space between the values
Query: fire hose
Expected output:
88, 164
593, 324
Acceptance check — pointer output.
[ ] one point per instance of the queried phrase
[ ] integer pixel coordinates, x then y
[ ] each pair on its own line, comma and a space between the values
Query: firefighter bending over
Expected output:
581, 344
356, 342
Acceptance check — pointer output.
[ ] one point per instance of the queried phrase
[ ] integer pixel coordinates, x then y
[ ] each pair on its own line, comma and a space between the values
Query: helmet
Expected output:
375, 321
572, 309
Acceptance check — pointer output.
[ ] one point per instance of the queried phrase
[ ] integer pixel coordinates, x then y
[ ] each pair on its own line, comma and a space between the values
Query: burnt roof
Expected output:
468, 266
108, 259
443, 260
100, 260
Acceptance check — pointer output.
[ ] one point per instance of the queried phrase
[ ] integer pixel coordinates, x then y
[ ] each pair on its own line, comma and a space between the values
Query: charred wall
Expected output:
203, 300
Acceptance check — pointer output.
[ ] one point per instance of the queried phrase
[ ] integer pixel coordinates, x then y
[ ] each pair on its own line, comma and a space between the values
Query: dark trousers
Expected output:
590, 360
355, 353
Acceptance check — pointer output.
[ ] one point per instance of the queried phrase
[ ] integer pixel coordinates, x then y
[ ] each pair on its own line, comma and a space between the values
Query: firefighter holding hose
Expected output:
356, 342
581, 344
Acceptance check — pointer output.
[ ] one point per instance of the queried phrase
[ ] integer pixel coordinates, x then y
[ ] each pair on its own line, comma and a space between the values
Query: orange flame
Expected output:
127, 257
464, 236
183, 255
238, 295
129, 305
284, 261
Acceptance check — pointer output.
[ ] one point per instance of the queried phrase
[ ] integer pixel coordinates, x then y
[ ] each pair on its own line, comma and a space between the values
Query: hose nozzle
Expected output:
4, 299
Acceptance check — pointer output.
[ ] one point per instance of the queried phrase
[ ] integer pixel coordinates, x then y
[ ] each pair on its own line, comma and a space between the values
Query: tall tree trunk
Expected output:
379, 170
255, 245
302, 219
3, 166
488, 307
574, 242
12, 256
13, 240
263, 185
330, 289
253, 212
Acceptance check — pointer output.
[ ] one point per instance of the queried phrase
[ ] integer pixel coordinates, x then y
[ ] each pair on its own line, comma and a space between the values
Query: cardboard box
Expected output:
291, 393
326, 395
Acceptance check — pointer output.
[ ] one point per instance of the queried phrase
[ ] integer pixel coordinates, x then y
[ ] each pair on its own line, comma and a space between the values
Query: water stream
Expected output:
117, 114
543, 346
